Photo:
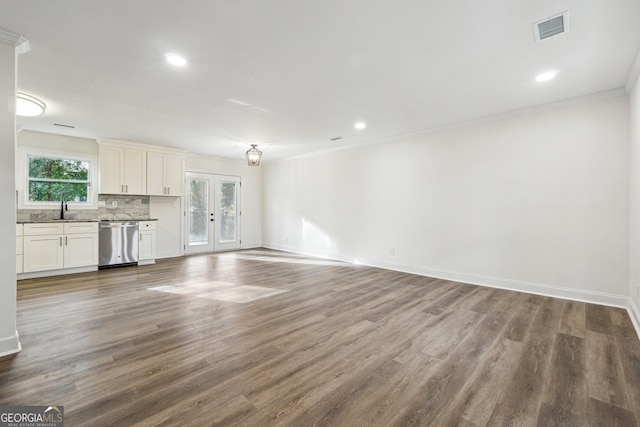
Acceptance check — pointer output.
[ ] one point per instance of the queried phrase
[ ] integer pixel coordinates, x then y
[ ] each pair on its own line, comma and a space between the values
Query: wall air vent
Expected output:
552, 26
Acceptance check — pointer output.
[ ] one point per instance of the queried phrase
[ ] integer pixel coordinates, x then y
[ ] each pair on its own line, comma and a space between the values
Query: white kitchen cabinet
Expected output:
147, 242
43, 248
122, 170
19, 247
165, 173
54, 246
80, 244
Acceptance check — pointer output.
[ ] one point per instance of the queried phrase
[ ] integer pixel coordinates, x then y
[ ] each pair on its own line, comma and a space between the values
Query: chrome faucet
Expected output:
63, 206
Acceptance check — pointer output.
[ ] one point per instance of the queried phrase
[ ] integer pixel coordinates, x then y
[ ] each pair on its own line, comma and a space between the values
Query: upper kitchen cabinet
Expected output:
123, 170
165, 173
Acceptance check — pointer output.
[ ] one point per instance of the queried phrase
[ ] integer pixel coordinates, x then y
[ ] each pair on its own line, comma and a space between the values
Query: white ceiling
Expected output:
306, 70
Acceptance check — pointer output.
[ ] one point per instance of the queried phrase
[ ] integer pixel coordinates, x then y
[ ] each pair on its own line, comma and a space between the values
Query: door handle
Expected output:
60, 240
168, 190
66, 240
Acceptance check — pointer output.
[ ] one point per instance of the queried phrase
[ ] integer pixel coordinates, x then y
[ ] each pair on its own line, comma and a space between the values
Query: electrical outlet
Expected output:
102, 204
114, 204
392, 251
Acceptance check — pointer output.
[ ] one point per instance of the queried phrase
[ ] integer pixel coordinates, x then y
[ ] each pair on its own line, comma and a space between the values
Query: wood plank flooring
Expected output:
344, 345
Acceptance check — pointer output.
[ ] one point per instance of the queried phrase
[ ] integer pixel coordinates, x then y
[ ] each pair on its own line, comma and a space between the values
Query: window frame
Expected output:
22, 184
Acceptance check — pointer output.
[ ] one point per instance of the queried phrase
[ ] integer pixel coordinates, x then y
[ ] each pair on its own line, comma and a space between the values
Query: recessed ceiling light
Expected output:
545, 77
176, 60
360, 125
29, 106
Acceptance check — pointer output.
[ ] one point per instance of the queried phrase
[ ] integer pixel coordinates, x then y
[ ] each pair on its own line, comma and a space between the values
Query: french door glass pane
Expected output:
227, 212
198, 211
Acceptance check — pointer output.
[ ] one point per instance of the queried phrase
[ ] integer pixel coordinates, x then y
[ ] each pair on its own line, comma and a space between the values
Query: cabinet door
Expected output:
42, 253
135, 171
155, 174
80, 250
147, 245
19, 247
111, 170
173, 174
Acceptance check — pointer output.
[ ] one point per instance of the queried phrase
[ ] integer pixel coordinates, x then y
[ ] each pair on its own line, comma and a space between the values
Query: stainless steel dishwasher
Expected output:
118, 243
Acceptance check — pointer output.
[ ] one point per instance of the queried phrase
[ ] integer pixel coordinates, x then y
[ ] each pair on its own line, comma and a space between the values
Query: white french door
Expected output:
213, 212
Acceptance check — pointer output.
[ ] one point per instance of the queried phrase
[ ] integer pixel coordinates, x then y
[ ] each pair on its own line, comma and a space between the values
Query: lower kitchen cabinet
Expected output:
54, 246
80, 250
19, 247
43, 248
147, 242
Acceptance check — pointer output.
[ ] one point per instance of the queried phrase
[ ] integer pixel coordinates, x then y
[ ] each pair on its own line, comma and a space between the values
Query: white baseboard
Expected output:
48, 273
251, 245
634, 314
601, 298
581, 295
10, 345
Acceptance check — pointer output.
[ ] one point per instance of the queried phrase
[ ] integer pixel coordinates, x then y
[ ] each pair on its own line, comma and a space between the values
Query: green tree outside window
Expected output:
50, 178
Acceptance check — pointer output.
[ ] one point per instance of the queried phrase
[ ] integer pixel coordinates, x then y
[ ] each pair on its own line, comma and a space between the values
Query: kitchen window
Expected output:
49, 177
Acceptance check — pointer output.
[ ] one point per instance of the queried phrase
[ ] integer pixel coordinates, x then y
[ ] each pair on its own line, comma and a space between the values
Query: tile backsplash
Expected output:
116, 207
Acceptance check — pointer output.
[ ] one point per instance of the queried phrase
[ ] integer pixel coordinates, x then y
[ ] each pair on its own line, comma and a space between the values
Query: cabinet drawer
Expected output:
42, 229
147, 225
19, 229
80, 227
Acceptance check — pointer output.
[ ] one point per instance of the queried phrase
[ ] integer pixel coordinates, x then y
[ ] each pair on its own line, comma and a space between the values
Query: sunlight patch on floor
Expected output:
290, 260
221, 291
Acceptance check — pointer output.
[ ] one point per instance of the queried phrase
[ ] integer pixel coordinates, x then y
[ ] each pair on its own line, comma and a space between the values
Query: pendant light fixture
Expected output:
29, 106
253, 156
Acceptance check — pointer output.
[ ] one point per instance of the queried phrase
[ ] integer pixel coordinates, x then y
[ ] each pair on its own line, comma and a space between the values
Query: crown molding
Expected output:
14, 40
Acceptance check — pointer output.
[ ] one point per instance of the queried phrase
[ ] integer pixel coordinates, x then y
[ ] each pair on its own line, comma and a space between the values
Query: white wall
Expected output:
169, 235
250, 194
58, 143
9, 341
634, 162
537, 203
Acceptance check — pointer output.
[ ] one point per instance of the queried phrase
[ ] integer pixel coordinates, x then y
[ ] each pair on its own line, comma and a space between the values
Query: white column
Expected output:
10, 44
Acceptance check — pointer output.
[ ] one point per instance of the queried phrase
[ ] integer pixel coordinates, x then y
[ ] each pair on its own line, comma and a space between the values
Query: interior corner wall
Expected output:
537, 203
634, 196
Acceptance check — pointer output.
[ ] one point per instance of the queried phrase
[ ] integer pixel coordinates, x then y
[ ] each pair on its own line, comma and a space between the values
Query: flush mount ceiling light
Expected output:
360, 125
175, 59
253, 156
545, 77
29, 106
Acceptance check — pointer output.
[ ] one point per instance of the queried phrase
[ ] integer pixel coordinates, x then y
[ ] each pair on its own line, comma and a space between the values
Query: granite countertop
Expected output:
41, 221
127, 219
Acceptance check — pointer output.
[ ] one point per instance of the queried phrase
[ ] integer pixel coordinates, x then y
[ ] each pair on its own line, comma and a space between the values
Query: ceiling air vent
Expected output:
552, 26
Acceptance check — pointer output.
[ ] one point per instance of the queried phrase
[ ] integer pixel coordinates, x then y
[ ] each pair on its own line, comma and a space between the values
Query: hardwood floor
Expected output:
343, 345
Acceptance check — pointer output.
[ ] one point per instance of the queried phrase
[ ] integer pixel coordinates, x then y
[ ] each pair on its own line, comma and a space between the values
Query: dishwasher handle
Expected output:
117, 225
